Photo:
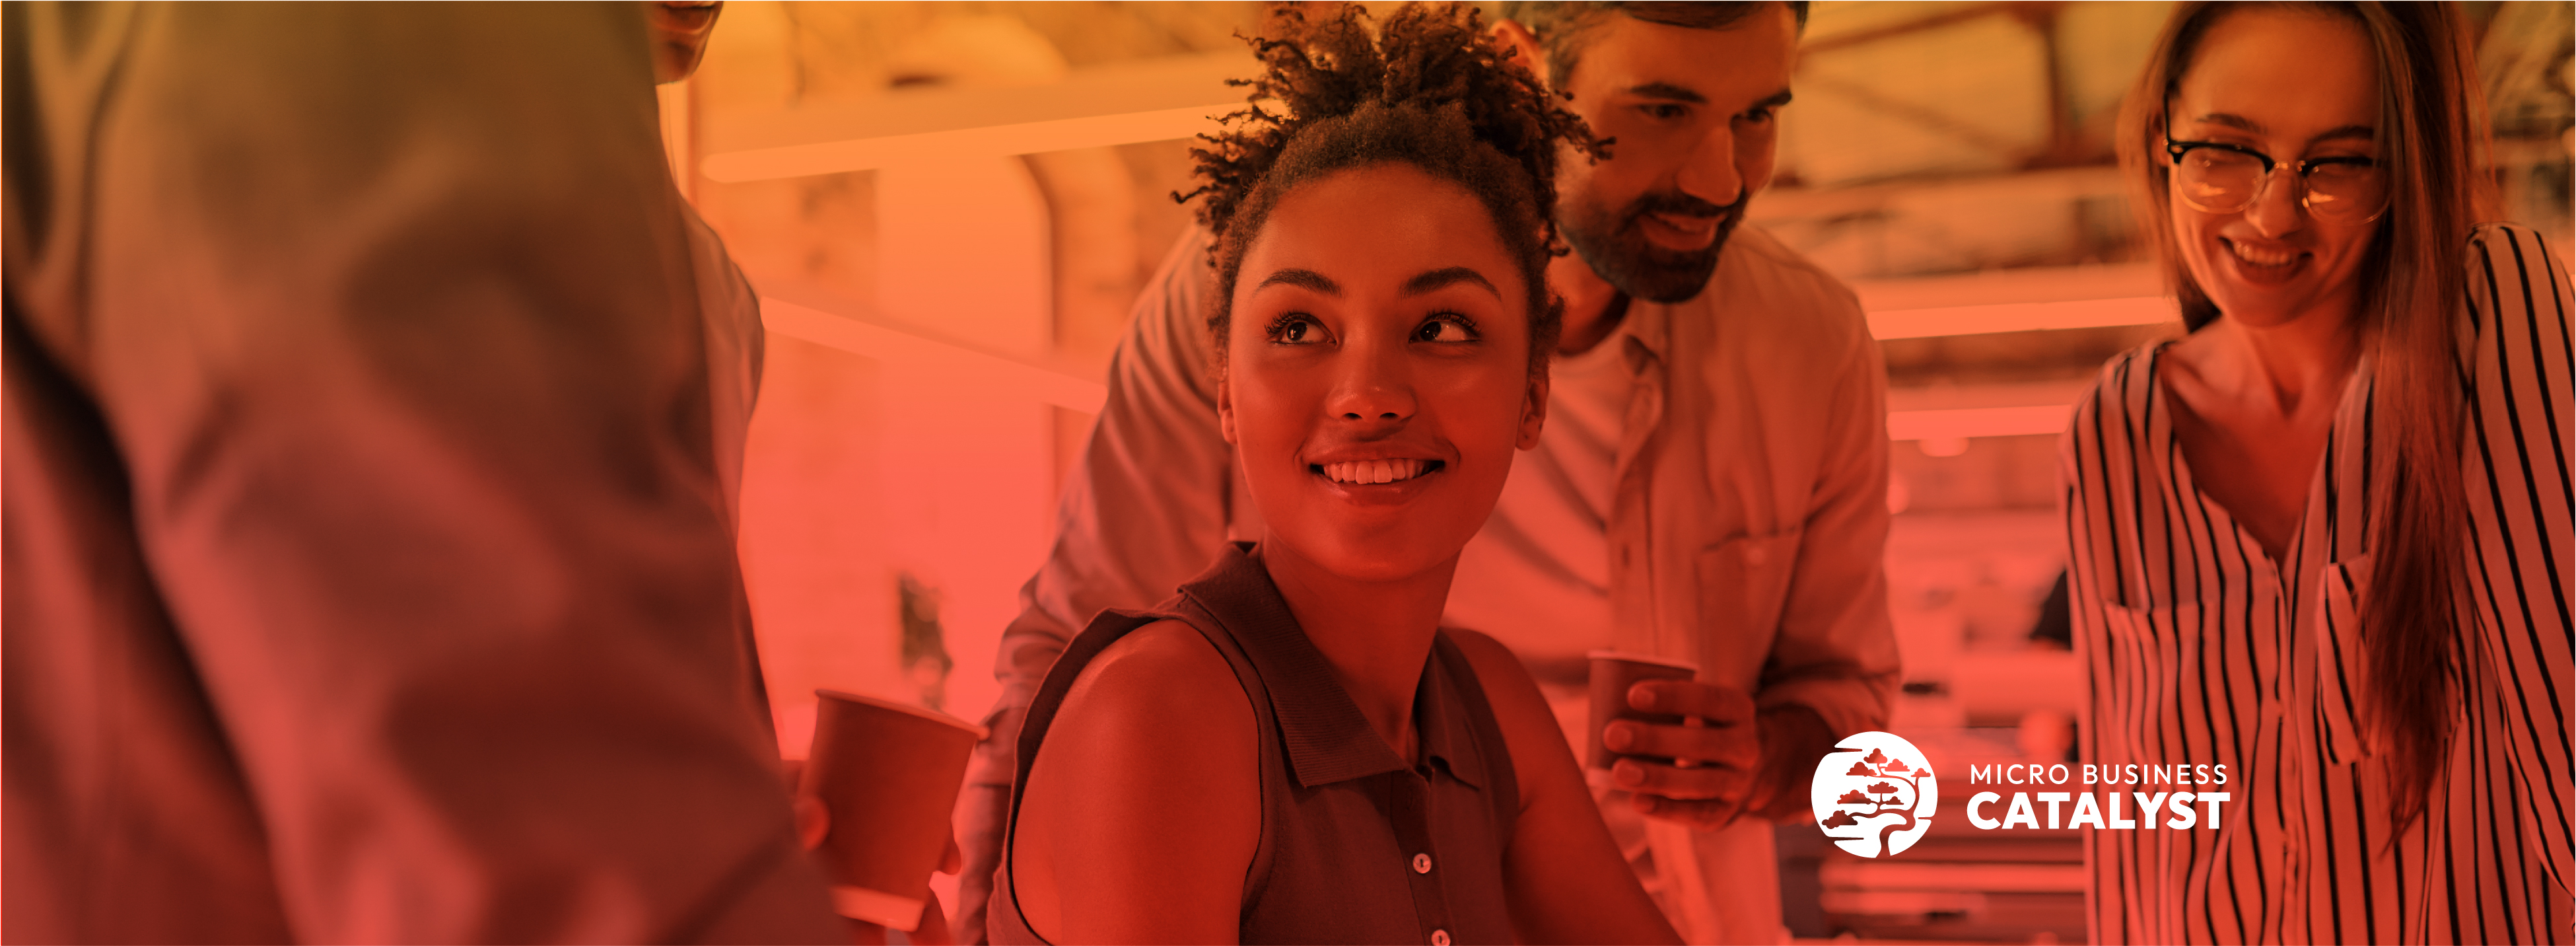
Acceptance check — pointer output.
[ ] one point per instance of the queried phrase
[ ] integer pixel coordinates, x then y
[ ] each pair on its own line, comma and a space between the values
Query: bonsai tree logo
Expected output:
1874, 798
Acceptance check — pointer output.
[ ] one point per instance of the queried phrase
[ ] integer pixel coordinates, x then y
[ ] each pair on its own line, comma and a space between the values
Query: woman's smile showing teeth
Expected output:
1369, 472
2262, 256
2258, 264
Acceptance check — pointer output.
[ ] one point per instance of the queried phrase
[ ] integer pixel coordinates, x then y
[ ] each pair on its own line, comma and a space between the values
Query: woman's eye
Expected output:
2347, 170
1664, 111
1295, 329
1449, 329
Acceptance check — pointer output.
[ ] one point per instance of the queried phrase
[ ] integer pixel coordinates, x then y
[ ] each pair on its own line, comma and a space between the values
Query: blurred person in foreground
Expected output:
1710, 486
1292, 749
374, 414
2323, 539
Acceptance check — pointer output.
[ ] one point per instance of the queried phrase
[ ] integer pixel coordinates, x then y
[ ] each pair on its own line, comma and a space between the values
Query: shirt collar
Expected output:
1440, 715
1644, 331
1647, 326
1328, 738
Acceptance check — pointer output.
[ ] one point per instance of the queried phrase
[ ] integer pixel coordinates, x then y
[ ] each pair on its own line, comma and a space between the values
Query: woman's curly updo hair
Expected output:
1428, 91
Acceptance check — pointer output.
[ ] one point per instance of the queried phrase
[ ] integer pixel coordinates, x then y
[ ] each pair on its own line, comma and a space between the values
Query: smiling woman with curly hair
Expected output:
1292, 749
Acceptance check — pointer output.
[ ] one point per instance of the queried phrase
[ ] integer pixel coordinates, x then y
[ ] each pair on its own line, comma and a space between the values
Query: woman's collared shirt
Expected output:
1357, 844
2200, 649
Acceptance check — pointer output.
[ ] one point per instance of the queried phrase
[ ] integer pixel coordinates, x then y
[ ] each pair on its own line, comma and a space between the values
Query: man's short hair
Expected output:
1563, 25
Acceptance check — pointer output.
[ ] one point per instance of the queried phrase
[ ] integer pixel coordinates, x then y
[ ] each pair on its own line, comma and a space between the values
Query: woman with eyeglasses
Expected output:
2324, 538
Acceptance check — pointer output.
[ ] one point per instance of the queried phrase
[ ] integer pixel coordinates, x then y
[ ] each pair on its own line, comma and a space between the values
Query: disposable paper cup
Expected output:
889, 775
1613, 672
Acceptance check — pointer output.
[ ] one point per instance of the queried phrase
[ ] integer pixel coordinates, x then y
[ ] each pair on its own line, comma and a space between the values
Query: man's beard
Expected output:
1615, 245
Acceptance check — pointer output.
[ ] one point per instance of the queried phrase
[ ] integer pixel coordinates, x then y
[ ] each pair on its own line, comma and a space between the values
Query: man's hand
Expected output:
814, 823
1729, 758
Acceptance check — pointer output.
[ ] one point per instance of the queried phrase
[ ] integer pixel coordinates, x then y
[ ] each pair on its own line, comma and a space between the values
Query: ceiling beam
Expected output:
1145, 100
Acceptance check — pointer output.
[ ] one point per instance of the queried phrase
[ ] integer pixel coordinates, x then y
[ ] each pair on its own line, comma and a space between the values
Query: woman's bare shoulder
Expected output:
1141, 811
1159, 704
1164, 671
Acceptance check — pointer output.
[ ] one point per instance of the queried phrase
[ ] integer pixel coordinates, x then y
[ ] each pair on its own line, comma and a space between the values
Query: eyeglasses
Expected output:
2221, 178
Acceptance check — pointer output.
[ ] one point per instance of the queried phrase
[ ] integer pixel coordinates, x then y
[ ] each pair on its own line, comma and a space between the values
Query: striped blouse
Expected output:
2199, 648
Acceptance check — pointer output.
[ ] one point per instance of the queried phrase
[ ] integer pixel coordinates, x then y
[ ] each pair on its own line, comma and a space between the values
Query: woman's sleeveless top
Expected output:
1357, 845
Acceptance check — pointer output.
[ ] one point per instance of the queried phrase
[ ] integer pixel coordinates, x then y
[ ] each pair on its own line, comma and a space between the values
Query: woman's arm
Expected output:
1143, 807
1567, 880
1157, 468
2517, 495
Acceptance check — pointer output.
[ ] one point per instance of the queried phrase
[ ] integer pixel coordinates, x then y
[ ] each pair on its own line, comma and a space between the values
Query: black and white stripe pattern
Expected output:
2198, 648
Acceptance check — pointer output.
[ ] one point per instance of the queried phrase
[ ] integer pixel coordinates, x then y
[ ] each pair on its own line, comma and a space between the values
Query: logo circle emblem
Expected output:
1875, 795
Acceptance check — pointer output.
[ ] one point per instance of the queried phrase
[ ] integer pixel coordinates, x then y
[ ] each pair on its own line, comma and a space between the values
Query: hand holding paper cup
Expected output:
887, 775
1613, 672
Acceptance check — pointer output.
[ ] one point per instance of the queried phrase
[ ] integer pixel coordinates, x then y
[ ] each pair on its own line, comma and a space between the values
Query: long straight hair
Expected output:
2432, 138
